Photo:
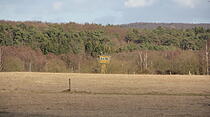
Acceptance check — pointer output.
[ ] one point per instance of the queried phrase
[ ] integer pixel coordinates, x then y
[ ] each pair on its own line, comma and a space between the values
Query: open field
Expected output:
95, 95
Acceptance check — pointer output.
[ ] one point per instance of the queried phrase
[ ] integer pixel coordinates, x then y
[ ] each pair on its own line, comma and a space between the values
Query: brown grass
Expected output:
93, 95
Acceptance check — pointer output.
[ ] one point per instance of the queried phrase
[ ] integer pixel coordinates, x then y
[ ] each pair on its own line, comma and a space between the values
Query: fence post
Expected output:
69, 84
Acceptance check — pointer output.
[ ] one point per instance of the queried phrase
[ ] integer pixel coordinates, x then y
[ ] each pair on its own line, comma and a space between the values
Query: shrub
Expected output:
55, 65
185, 62
12, 64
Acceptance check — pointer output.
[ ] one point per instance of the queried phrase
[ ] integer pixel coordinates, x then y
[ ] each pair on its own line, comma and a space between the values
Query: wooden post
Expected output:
69, 84
103, 68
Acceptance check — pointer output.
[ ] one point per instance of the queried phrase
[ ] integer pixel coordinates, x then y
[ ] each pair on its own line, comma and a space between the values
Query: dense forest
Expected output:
72, 47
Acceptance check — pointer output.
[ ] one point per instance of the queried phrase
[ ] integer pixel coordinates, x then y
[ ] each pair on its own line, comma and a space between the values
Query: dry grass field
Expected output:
95, 95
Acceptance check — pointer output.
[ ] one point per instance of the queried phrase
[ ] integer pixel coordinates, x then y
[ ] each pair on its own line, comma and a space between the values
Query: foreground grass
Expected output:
106, 84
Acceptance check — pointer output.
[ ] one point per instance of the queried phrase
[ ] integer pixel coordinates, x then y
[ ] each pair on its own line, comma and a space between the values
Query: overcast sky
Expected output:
106, 11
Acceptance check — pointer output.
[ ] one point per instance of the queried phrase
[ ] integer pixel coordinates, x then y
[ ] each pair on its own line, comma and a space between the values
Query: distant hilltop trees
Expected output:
166, 25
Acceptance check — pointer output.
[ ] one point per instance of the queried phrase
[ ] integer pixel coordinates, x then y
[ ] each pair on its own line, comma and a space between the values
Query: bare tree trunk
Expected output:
79, 64
30, 66
144, 61
207, 59
1, 65
146, 57
141, 61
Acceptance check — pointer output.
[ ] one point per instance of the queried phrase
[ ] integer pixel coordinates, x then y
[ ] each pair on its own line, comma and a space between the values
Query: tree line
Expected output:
60, 45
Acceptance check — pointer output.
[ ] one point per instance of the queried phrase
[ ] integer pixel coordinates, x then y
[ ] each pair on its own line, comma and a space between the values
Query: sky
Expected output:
106, 11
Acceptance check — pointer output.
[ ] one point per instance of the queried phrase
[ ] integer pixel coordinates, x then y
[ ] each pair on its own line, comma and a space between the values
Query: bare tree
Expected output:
207, 59
146, 57
29, 66
1, 59
139, 61
142, 61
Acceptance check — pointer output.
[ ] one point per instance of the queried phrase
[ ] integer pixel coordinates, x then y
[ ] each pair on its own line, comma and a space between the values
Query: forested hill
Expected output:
72, 47
95, 39
165, 25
